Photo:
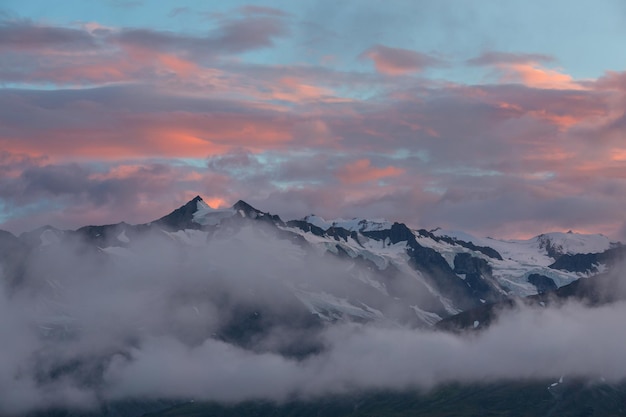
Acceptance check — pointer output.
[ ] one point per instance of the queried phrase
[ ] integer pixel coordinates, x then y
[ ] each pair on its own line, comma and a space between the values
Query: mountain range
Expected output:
427, 275
294, 278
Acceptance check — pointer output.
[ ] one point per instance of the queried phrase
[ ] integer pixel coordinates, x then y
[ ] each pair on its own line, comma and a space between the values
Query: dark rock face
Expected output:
250, 212
397, 233
247, 209
552, 250
485, 250
542, 283
339, 233
249, 327
182, 217
306, 227
589, 262
465, 294
465, 263
478, 275
594, 291
436, 268
105, 234
477, 318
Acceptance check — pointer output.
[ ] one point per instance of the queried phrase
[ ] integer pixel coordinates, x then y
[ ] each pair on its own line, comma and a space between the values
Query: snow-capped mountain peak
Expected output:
208, 216
418, 274
559, 243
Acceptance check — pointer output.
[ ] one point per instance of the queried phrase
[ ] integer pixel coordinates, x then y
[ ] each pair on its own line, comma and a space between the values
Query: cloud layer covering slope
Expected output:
147, 321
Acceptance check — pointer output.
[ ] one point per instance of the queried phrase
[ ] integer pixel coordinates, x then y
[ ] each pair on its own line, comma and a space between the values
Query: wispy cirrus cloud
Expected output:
500, 58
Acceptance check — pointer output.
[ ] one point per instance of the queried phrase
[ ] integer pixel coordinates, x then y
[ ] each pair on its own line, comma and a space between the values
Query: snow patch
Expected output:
206, 216
122, 237
330, 307
427, 316
573, 243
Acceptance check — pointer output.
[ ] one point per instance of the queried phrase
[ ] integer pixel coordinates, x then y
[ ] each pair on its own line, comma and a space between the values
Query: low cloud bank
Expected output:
84, 327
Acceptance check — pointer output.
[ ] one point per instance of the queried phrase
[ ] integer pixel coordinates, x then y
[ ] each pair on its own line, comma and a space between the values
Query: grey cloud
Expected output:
37, 182
23, 35
232, 36
67, 179
252, 9
539, 344
390, 60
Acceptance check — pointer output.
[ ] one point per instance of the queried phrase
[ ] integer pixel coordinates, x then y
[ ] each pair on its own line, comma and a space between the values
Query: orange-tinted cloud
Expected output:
297, 91
216, 202
535, 76
362, 171
527, 69
563, 122
142, 124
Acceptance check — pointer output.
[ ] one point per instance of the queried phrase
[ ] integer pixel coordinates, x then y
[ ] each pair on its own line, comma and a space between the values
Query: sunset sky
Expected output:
499, 118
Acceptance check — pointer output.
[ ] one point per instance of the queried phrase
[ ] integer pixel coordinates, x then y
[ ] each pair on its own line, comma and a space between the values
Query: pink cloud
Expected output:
399, 61
166, 135
361, 171
533, 151
612, 80
527, 69
295, 90
535, 76
38, 53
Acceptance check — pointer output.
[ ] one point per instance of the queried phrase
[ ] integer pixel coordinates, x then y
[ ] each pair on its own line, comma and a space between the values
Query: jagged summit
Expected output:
245, 207
247, 211
183, 216
197, 213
